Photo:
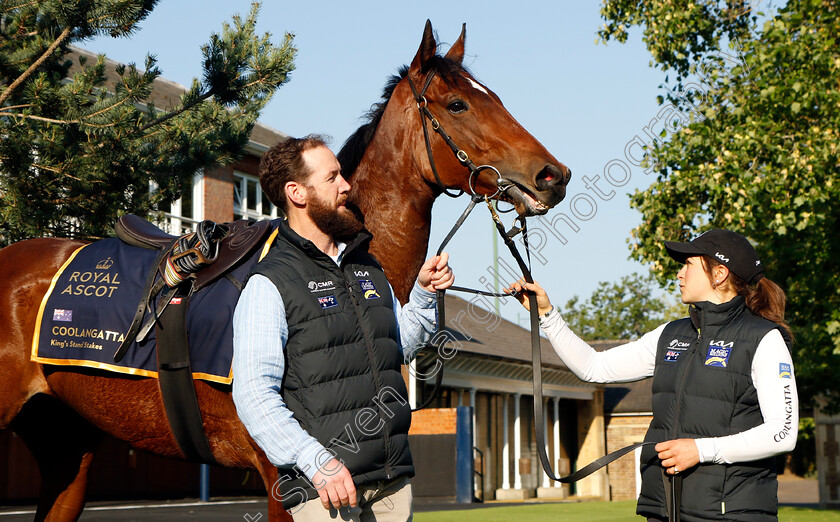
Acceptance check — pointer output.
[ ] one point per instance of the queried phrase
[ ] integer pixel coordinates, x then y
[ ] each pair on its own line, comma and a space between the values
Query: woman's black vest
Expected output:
343, 361
702, 387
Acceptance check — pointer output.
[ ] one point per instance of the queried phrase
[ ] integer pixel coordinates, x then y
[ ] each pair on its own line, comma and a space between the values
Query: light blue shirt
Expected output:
260, 332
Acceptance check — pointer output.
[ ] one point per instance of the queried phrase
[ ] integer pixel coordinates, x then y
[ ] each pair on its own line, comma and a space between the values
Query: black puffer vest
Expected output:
342, 382
702, 387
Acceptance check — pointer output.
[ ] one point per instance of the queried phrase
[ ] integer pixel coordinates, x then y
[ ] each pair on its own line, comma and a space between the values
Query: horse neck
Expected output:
397, 205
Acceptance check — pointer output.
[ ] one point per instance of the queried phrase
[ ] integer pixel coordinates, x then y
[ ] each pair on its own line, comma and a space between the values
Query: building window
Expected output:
182, 216
249, 200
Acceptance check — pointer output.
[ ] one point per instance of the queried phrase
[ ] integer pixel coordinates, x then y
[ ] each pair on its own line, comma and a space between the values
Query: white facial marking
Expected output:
477, 86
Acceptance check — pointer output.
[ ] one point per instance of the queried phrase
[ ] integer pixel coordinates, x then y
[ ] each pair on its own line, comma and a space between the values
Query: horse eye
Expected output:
456, 107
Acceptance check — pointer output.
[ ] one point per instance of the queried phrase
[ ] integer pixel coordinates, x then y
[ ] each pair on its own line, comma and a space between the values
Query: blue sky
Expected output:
584, 101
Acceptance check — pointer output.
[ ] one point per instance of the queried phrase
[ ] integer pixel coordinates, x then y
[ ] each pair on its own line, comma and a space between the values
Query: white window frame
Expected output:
174, 222
264, 208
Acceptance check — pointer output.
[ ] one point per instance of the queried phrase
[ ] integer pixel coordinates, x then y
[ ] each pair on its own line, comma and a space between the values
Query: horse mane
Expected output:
354, 148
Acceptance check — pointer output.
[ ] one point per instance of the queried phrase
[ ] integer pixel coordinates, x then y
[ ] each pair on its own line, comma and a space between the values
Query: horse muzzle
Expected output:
549, 189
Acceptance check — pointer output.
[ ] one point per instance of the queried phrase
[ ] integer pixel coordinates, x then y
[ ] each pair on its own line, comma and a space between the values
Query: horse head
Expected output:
513, 165
437, 130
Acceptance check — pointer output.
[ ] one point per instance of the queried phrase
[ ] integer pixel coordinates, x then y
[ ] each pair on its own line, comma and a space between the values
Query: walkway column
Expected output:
475, 437
517, 442
545, 482
505, 445
547, 490
556, 401
472, 403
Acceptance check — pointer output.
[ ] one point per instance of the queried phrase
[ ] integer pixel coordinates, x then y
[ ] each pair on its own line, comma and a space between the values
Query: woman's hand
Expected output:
543, 302
678, 455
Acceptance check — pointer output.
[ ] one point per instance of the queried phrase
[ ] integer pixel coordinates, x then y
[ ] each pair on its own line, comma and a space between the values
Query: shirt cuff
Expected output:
311, 456
551, 318
421, 297
707, 449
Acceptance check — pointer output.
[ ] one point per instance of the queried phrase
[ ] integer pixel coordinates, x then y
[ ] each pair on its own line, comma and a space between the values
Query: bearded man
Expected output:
319, 342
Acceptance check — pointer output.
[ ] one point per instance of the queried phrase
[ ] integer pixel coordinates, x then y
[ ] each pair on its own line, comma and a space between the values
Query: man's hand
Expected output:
678, 455
335, 485
520, 290
435, 274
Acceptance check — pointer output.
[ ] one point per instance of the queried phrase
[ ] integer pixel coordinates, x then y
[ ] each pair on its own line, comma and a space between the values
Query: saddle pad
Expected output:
92, 300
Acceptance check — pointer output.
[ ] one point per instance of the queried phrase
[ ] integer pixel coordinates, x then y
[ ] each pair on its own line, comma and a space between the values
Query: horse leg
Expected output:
62, 444
269, 474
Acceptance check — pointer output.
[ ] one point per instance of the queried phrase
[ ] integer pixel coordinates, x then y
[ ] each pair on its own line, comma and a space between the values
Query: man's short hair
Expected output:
283, 163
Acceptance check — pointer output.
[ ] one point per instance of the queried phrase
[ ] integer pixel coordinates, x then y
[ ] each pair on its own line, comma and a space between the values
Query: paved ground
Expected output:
794, 491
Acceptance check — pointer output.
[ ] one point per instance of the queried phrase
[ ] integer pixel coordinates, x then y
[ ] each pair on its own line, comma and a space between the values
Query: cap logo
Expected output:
721, 257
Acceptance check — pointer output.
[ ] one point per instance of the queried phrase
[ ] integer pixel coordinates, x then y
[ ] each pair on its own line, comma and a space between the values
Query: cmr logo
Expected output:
320, 286
721, 257
676, 343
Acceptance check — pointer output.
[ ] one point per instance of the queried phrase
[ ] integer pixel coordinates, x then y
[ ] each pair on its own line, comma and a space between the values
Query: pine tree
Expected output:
77, 151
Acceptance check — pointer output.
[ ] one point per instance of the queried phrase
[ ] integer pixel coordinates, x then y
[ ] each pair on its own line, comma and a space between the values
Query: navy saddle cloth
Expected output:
92, 300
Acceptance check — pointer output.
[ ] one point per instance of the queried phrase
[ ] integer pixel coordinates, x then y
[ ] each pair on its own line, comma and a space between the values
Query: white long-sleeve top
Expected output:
777, 397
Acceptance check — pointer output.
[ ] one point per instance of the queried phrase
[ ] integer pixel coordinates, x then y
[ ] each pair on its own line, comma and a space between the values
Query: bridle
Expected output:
460, 154
438, 341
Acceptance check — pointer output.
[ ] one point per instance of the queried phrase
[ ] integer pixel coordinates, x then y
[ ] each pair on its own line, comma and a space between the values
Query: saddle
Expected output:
184, 265
238, 239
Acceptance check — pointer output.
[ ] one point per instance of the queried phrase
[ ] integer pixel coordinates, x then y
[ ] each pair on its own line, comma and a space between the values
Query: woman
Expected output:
724, 393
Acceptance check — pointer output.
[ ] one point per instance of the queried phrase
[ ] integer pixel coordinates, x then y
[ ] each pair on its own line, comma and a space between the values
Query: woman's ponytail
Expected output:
765, 299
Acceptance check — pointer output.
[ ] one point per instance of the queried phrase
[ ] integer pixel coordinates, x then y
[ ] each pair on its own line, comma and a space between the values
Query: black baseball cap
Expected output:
728, 248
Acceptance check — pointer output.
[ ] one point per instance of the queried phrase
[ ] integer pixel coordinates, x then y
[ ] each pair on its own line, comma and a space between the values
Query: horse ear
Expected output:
427, 50
456, 52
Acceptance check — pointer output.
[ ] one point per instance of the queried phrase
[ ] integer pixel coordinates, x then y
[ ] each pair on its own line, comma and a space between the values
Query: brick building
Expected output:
627, 413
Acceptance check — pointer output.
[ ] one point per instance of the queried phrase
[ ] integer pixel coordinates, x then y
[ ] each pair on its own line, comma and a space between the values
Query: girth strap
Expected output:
175, 379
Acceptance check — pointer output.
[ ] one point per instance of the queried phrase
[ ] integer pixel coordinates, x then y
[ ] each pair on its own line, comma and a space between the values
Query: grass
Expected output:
589, 511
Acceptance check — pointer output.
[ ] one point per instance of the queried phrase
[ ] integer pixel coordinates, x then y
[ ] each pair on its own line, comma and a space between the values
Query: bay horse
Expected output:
61, 413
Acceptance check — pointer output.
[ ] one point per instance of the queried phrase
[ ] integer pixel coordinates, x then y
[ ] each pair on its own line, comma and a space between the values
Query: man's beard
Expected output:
339, 223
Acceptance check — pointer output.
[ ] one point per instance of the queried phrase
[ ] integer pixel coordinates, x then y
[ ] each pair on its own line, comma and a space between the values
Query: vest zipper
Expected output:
373, 370
681, 385
675, 423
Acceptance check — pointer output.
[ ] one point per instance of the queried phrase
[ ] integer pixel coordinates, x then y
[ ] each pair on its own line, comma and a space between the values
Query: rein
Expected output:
507, 237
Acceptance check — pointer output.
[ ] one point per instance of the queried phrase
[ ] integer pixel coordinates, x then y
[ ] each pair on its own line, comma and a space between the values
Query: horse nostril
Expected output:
550, 176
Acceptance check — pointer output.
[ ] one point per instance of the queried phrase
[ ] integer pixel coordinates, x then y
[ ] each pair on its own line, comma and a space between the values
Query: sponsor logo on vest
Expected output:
678, 345
672, 355
369, 289
321, 286
327, 301
784, 370
361, 273
779, 437
721, 257
718, 354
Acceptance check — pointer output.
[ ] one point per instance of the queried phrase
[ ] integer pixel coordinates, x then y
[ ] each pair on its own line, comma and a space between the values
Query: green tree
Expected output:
759, 155
78, 152
623, 310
